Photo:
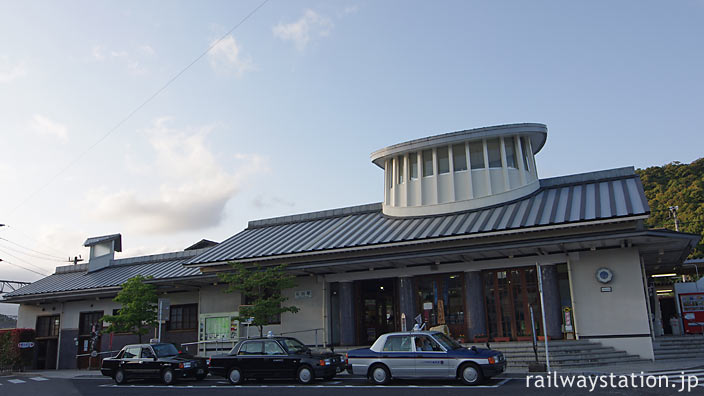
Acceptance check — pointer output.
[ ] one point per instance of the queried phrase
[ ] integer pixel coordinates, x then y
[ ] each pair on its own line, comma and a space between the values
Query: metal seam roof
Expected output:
570, 199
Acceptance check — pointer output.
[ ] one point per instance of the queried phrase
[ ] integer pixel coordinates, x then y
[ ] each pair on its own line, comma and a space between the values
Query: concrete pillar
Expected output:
347, 322
474, 301
551, 298
407, 303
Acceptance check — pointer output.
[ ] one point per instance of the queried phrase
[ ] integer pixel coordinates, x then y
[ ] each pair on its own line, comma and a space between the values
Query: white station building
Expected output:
464, 224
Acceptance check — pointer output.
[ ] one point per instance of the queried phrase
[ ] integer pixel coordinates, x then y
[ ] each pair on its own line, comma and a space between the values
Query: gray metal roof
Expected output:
113, 237
611, 194
76, 277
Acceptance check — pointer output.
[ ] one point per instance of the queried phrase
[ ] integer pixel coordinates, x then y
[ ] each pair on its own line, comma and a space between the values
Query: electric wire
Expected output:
22, 260
78, 157
36, 256
23, 267
48, 256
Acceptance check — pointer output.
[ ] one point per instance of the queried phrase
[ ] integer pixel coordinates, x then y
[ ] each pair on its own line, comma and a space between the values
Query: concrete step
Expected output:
581, 362
591, 356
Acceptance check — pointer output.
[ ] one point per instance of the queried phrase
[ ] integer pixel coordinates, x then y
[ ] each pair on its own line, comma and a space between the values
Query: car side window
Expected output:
398, 344
131, 353
273, 348
147, 353
252, 348
427, 344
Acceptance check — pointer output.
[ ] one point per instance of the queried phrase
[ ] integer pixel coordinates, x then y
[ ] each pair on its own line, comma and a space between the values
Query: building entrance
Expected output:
508, 295
440, 301
376, 309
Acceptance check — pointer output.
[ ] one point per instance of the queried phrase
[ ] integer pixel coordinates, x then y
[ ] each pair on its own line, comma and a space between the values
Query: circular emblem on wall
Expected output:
604, 275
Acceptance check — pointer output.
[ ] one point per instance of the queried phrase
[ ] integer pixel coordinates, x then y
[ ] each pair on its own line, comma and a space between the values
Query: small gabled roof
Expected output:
105, 238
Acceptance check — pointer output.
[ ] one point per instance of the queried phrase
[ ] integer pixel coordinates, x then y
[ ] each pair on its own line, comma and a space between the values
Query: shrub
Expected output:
11, 356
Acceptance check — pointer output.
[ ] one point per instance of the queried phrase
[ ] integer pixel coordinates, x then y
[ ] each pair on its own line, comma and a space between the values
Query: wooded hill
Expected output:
676, 184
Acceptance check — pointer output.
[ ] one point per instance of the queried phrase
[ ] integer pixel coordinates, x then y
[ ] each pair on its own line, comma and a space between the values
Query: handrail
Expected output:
305, 331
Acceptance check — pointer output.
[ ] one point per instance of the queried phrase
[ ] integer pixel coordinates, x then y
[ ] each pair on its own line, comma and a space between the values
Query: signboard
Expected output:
25, 345
164, 308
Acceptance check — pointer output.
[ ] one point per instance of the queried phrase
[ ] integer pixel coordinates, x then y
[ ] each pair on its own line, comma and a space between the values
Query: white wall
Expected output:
623, 311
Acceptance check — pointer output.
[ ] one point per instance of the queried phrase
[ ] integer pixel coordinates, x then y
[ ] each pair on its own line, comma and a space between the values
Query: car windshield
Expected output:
446, 341
163, 350
294, 346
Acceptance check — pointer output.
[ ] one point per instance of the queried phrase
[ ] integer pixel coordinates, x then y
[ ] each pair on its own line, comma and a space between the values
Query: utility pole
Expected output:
673, 213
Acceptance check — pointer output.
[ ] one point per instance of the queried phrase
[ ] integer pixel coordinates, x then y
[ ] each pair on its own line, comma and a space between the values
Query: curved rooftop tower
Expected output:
460, 170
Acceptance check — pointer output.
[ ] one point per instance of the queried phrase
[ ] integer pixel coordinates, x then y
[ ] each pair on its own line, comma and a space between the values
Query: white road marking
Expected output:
502, 382
16, 381
39, 379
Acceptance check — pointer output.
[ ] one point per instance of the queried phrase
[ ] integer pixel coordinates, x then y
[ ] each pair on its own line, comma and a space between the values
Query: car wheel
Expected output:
379, 375
305, 375
168, 377
471, 374
120, 377
235, 376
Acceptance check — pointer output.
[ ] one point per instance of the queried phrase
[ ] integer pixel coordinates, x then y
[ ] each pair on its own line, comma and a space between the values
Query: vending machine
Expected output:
692, 305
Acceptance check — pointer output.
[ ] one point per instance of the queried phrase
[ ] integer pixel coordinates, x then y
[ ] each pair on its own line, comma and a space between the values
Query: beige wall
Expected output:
310, 314
213, 299
621, 311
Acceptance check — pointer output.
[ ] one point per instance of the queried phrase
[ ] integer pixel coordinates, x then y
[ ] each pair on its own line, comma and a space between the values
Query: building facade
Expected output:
464, 230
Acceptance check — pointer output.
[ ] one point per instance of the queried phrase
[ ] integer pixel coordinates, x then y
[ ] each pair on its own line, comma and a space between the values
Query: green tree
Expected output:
263, 288
676, 184
139, 308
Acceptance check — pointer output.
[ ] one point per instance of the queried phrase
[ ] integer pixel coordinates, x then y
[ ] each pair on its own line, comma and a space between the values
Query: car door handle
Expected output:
277, 360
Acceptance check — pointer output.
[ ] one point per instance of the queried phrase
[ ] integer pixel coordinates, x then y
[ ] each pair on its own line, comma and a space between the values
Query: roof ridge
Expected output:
588, 177
322, 214
154, 258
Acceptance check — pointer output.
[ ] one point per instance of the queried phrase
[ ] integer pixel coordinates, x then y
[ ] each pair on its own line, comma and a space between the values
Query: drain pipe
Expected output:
542, 312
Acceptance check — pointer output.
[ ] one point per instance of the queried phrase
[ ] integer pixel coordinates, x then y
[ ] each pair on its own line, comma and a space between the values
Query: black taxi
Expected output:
161, 360
275, 357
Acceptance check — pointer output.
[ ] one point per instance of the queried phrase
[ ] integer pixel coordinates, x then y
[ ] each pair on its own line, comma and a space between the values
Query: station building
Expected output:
463, 230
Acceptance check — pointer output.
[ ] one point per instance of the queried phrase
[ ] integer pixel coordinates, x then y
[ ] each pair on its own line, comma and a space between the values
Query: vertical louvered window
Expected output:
459, 157
494, 152
427, 163
476, 155
443, 160
510, 147
413, 164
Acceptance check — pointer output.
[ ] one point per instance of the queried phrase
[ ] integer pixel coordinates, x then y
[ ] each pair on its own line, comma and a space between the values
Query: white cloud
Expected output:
309, 26
45, 126
194, 187
11, 72
352, 9
134, 64
146, 50
226, 56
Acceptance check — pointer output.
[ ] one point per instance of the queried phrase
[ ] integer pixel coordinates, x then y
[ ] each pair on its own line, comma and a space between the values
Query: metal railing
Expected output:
306, 331
217, 343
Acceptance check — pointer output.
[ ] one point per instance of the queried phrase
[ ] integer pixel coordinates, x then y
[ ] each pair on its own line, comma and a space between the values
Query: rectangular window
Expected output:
400, 168
494, 151
390, 173
476, 155
48, 326
443, 160
427, 163
413, 164
459, 157
183, 317
510, 147
524, 148
88, 321
398, 344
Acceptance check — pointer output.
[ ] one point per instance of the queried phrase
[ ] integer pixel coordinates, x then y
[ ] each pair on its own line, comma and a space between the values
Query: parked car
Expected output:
162, 361
424, 354
275, 357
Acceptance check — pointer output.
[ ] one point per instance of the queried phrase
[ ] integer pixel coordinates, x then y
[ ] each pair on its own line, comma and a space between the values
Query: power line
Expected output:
133, 112
24, 268
22, 260
36, 256
15, 229
50, 256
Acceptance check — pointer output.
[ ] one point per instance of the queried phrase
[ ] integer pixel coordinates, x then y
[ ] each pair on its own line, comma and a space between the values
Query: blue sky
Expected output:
281, 116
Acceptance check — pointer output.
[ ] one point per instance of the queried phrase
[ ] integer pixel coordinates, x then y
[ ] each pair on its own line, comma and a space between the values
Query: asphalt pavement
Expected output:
33, 384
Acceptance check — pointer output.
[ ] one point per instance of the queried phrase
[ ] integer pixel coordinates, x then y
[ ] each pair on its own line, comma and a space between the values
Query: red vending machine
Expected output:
692, 305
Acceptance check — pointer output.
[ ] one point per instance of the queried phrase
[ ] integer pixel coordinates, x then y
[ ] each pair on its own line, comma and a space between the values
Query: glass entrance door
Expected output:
440, 301
509, 294
377, 309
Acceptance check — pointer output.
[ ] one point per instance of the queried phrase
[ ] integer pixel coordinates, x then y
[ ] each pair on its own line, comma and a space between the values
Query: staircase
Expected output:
563, 354
679, 347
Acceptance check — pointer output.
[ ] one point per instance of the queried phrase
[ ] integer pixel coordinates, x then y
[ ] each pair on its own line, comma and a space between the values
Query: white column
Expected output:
486, 168
504, 164
435, 176
521, 165
469, 169
451, 161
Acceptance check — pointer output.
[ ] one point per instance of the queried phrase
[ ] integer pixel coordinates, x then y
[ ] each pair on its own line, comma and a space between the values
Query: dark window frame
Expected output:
86, 321
183, 317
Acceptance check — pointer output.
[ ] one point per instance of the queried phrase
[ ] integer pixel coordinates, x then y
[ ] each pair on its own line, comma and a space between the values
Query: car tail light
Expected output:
180, 365
492, 360
322, 362
208, 362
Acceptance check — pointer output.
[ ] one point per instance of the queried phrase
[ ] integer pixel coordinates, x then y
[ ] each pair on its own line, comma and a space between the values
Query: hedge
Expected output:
11, 356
